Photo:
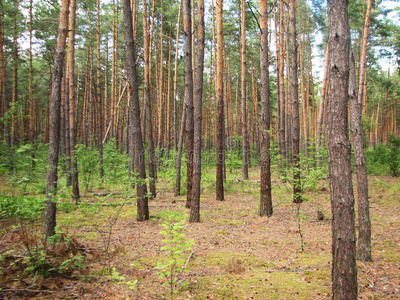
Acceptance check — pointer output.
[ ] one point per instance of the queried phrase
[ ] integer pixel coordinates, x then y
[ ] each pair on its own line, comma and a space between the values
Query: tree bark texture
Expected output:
344, 269
72, 101
364, 222
49, 214
297, 192
188, 102
198, 115
220, 105
134, 111
265, 193
147, 100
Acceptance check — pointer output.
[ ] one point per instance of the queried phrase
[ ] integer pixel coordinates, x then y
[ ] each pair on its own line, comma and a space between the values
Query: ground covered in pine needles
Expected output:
102, 252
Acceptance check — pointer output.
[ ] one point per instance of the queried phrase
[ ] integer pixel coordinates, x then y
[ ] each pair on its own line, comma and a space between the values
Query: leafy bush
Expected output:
116, 162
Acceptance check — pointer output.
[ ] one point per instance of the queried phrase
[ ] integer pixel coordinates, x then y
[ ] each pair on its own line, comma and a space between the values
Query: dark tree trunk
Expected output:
198, 115
364, 233
220, 155
265, 193
297, 192
49, 215
147, 100
189, 128
134, 110
344, 269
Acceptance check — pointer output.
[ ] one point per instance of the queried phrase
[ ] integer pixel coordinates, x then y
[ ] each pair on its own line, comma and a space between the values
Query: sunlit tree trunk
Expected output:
49, 214
72, 101
344, 269
265, 193
220, 136
134, 110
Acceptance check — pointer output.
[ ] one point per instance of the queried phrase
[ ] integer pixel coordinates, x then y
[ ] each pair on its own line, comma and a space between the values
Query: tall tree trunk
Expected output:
4, 103
344, 269
198, 116
265, 192
98, 93
72, 101
245, 137
281, 70
14, 93
49, 214
364, 238
297, 192
134, 110
147, 99
364, 233
188, 102
220, 136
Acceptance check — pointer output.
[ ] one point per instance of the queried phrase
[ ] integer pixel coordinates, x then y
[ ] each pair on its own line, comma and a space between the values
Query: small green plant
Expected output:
87, 162
176, 246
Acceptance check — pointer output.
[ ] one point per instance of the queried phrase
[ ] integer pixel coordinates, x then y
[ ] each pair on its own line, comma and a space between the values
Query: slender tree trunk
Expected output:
49, 215
245, 137
99, 102
281, 69
364, 236
220, 136
4, 103
265, 193
134, 110
72, 101
198, 116
297, 192
344, 269
147, 99
189, 128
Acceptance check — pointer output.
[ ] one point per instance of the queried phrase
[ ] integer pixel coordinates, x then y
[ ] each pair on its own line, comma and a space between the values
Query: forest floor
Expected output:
236, 254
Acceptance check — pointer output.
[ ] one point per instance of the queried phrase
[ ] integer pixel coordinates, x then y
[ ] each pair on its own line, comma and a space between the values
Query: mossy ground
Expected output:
236, 254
